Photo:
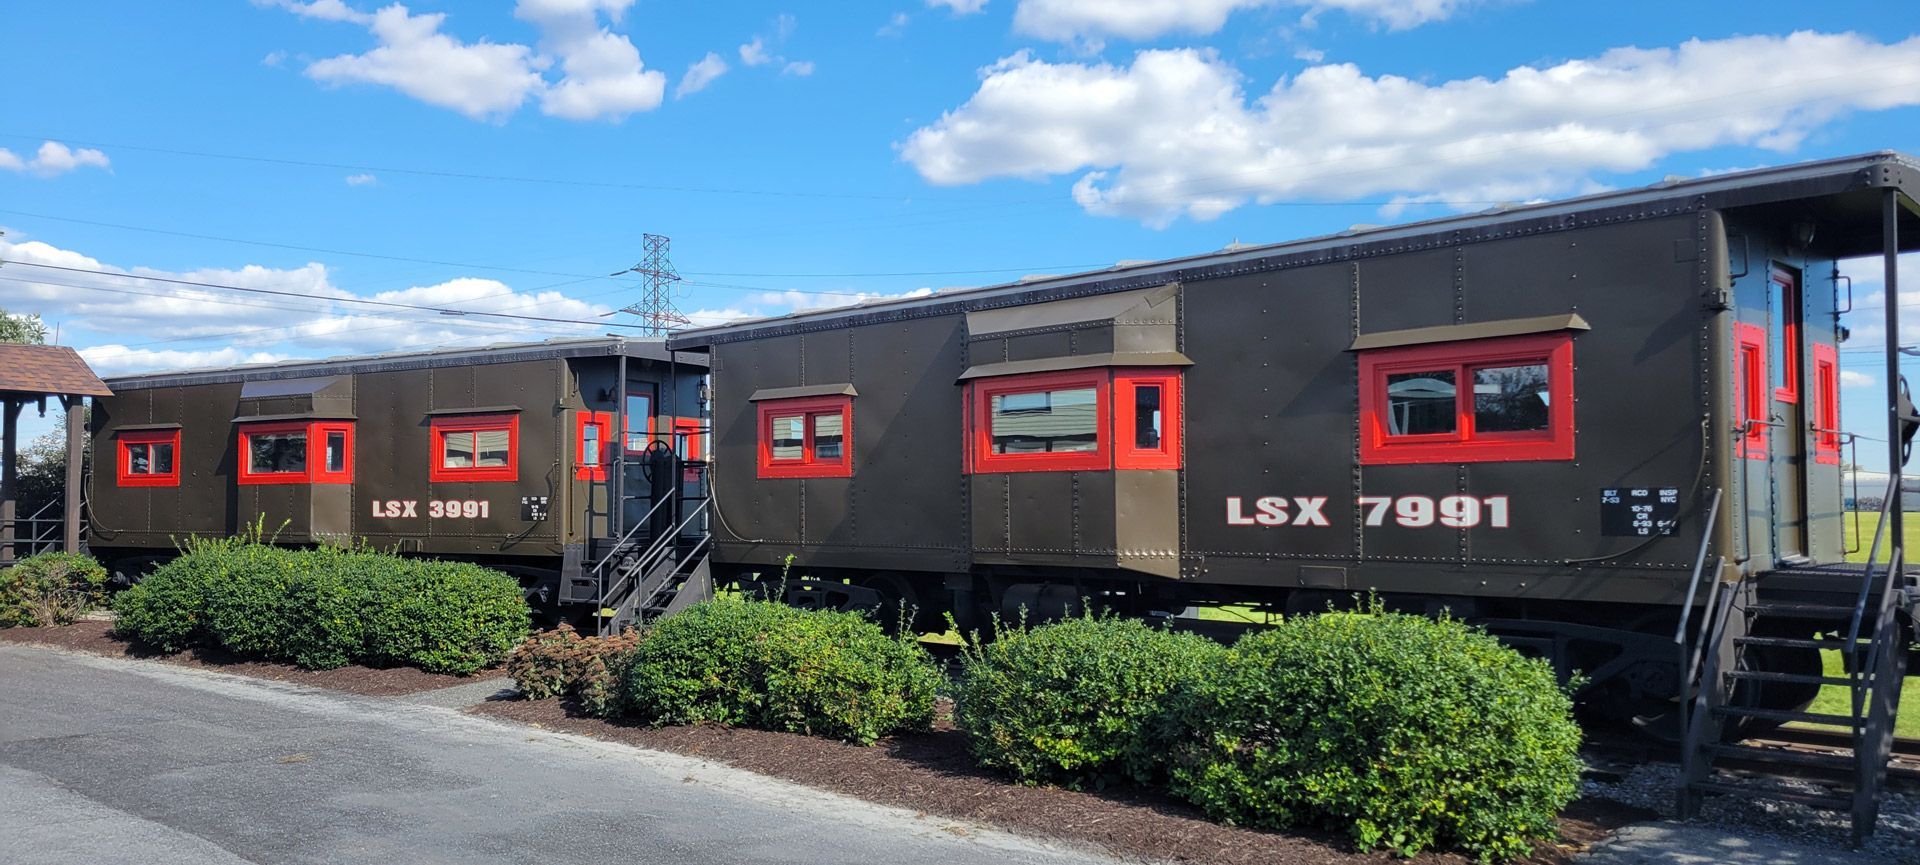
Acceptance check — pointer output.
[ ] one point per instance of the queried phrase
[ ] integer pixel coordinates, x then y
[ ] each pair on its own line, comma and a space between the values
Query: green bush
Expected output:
167, 611
763, 664
248, 615
324, 608
50, 589
1402, 731
1075, 702
560, 662
450, 617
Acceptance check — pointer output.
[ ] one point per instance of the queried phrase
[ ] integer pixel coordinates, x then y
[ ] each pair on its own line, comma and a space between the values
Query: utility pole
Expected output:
657, 313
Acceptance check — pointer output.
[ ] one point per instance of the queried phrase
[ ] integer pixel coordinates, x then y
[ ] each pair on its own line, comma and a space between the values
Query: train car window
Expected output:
1422, 403
1510, 398
274, 453
592, 451
1055, 421
147, 458
336, 453
475, 448
1146, 419
1482, 400
806, 437
827, 437
1826, 395
1750, 366
1786, 312
638, 421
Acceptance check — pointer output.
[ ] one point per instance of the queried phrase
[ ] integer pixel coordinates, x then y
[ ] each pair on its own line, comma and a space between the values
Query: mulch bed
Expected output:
96, 637
932, 773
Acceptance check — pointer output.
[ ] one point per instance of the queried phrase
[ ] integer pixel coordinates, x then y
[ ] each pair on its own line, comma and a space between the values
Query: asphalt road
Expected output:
111, 761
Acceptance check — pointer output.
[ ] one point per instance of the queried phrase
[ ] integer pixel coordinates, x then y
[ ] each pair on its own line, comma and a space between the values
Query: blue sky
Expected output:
506, 156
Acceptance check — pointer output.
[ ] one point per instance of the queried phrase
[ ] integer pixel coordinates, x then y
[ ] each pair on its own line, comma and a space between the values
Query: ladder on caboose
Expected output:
1872, 646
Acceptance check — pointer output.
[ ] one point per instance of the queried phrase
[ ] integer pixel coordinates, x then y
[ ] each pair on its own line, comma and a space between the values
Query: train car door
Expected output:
1789, 397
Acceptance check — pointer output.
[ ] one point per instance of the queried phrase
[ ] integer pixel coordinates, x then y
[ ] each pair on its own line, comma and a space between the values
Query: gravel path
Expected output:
1652, 786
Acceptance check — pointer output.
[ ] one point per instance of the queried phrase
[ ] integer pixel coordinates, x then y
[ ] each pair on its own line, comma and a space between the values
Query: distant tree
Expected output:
43, 469
22, 329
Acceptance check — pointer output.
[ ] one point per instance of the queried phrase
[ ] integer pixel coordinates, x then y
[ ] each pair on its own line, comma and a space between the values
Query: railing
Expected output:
44, 533
629, 578
1690, 661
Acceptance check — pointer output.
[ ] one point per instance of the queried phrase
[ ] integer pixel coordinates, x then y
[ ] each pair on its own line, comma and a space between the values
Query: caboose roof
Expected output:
603, 346
1843, 191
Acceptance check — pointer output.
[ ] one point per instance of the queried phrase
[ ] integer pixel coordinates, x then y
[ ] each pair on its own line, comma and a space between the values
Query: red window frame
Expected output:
687, 434
586, 466
1788, 284
318, 468
809, 465
438, 472
248, 430
1750, 388
123, 458
1126, 382
1826, 409
980, 394
1465, 444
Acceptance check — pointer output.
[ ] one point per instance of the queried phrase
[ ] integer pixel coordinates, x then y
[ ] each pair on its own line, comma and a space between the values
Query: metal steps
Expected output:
1867, 631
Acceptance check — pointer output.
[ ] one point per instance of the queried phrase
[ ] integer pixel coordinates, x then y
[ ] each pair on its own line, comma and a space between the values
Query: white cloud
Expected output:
1310, 55
700, 74
480, 79
1174, 133
324, 10
601, 75
274, 59
1853, 378
800, 68
1090, 21
958, 7
755, 53
115, 359
53, 158
181, 326
895, 25
362, 180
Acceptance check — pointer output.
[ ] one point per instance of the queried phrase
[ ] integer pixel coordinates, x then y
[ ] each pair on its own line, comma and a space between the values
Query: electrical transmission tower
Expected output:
657, 313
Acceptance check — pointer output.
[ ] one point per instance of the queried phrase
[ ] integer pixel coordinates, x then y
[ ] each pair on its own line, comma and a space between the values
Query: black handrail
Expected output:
1699, 561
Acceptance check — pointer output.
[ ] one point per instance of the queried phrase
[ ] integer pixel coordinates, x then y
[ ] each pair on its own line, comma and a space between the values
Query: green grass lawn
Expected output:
1868, 519
1835, 700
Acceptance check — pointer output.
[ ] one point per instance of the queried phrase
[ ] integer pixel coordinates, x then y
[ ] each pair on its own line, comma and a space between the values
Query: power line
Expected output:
359, 300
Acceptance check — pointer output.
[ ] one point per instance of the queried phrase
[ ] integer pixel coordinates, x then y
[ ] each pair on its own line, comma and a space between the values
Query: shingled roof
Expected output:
46, 370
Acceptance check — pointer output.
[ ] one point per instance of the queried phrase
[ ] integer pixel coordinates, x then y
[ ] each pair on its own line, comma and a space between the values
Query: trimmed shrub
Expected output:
167, 611
560, 663
1075, 702
1401, 731
767, 665
326, 607
50, 589
449, 617
248, 615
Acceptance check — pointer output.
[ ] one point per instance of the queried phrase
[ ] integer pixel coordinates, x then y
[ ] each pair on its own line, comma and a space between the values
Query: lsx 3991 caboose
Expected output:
557, 461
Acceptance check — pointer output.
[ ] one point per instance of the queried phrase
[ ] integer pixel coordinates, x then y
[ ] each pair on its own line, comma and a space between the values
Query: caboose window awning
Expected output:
772, 393
1077, 361
1475, 330
478, 409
